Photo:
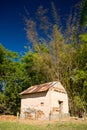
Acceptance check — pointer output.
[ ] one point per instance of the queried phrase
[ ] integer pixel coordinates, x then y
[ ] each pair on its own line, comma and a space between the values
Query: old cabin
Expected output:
44, 101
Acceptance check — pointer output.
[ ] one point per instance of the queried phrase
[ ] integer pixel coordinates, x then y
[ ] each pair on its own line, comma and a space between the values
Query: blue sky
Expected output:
12, 33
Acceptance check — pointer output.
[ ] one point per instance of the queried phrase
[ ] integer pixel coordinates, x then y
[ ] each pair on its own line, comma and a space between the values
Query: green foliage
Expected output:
83, 20
2, 53
11, 78
32, 64
83, 37
79, 104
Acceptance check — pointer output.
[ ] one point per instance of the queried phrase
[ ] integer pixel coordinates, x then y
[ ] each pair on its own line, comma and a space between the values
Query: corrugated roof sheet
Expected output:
41, 88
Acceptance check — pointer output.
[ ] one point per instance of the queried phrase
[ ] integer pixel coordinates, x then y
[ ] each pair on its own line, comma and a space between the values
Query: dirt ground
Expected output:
41, 122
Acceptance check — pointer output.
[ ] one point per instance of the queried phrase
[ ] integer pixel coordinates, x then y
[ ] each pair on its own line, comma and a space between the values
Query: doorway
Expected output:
60, 106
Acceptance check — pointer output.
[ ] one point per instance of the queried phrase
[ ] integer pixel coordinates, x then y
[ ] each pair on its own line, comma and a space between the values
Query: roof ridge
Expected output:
40, 88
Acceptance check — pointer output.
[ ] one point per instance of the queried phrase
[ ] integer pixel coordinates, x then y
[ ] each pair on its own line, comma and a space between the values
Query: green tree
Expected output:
11, 79
83, 20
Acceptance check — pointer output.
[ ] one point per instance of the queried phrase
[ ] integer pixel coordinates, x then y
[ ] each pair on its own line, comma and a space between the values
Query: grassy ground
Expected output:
7, 125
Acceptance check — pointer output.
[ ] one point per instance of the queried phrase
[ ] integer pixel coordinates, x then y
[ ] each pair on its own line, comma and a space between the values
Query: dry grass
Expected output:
12, 123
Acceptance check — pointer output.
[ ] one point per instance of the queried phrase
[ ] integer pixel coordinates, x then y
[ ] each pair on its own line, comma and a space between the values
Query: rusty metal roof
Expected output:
41, 88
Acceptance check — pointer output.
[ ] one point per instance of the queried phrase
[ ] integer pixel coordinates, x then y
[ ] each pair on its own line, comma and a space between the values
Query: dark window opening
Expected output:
42, 103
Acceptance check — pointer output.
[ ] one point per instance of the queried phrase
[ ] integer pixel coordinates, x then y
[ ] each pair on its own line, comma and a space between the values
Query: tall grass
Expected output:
58, 126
